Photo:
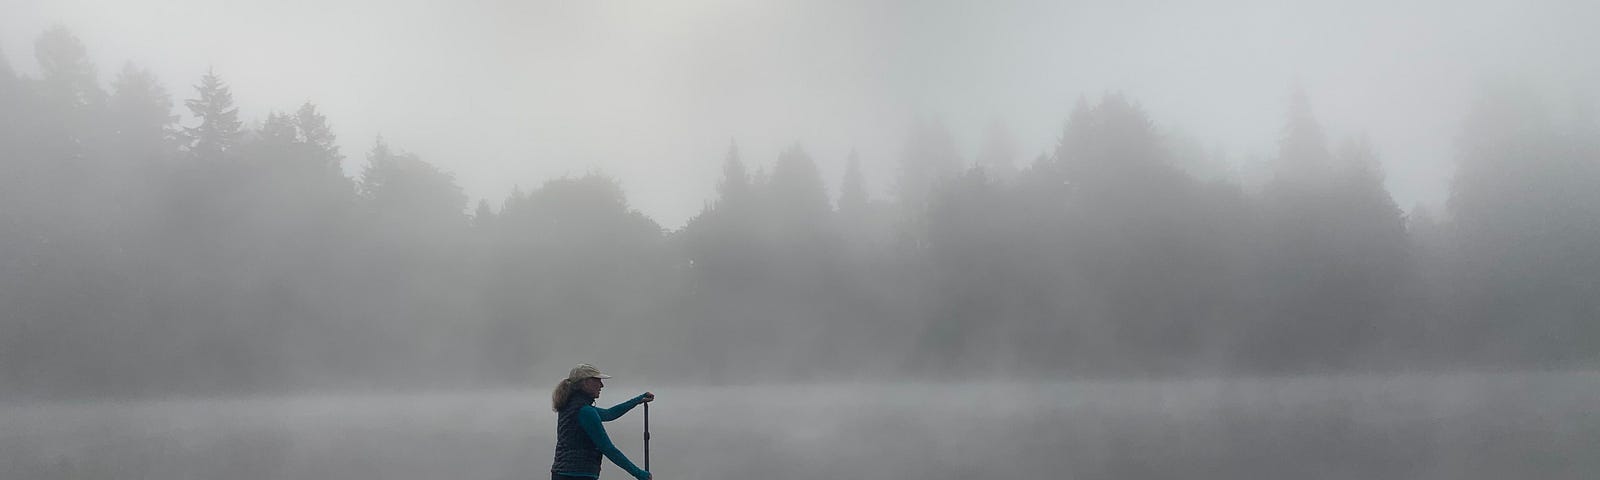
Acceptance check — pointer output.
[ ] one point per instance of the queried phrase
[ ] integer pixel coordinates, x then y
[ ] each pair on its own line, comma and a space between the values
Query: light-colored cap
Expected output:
584, 370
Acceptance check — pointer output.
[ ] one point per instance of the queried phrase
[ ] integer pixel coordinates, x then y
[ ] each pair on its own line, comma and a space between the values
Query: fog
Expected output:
512, 93
1439, 426
357, 239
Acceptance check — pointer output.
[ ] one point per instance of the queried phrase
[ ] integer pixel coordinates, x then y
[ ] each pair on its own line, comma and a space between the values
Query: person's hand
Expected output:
642, 475
647, 397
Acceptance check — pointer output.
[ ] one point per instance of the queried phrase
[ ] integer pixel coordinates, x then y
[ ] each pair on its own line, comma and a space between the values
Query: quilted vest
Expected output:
575, 452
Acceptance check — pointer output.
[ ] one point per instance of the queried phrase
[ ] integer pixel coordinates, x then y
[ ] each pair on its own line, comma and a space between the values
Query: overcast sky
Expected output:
515, 92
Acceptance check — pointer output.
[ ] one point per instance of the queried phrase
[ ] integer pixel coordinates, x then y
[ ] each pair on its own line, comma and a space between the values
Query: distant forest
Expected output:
141, 255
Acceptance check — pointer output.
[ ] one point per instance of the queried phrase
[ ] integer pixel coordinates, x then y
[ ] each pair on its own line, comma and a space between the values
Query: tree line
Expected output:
144, 255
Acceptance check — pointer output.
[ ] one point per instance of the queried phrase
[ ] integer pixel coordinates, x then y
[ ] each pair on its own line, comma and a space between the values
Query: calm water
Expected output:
1462, 426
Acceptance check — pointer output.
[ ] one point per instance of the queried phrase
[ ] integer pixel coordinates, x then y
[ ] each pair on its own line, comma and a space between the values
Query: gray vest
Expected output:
575, 452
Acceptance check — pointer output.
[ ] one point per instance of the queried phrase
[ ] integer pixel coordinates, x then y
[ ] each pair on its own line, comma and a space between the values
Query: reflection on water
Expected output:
1461, 426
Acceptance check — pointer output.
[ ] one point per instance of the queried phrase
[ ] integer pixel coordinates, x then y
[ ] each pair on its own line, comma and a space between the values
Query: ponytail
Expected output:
563, 391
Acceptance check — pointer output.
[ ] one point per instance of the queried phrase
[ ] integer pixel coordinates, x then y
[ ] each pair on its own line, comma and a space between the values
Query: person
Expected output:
580, 438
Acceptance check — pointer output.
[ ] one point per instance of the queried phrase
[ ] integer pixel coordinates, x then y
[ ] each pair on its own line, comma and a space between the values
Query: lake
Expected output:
1410, 426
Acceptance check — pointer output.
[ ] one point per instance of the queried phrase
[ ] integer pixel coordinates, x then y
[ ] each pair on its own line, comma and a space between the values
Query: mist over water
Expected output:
1455, 426
347, 239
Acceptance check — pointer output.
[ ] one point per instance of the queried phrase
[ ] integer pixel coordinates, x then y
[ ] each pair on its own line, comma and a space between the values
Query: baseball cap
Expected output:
584, 370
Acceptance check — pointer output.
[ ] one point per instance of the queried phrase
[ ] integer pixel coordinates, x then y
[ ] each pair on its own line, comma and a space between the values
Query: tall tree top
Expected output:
6, 73
735, 185
218, 131
796, 185
279, 130
315, 132
484, 214
403, 186
141, 111
1111, 151
998, 156
136, 89
64, 67
853, 189
930, 156
1303, 153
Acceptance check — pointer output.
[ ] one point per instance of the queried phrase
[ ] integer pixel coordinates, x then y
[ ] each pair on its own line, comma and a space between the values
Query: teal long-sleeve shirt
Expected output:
589, 418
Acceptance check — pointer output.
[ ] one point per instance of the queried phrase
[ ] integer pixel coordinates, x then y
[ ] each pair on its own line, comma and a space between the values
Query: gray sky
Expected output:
514, 92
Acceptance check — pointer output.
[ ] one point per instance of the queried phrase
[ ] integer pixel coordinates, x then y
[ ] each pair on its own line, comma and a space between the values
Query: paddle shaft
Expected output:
647, 437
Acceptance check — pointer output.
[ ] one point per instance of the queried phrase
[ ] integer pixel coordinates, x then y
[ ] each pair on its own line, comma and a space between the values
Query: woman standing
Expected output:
580, 438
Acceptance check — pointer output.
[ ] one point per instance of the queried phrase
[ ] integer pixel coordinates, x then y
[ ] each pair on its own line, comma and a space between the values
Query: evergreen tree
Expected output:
1112, 157
68, 76
1304, 158
853, 189
400, 187
721, 242
315, 133
141, 115
1339, 255
861, 219
219, 128
998, 154
279, 132
966, 270
68, 123
11, 100
930, 156
1526, 218
7, 75
10, 91
1132, 229
573, 248
735, 188
1377, 270
483, 217
796, 190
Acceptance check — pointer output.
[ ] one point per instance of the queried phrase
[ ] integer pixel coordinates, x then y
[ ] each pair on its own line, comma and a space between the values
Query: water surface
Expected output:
1457, 426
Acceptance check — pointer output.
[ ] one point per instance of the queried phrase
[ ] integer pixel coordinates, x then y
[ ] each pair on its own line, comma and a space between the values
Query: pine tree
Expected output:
483, 217
930, 156
317, 135
1371, 233
1303, 155
69, 123
735, 188
141, 115
6, 73
278, 131
10, 101
998, 154
1113, 158
8, 81
402, 188
1526, 217
860, 218
853, 190
219, 128
1339, 251
721, 242
796, 188
68, 76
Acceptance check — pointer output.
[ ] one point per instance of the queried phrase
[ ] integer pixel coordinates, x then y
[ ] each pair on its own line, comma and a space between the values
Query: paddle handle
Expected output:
647, 437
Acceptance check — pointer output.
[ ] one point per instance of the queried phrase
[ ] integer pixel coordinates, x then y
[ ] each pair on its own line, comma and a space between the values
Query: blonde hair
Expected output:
563, 391
575, 378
